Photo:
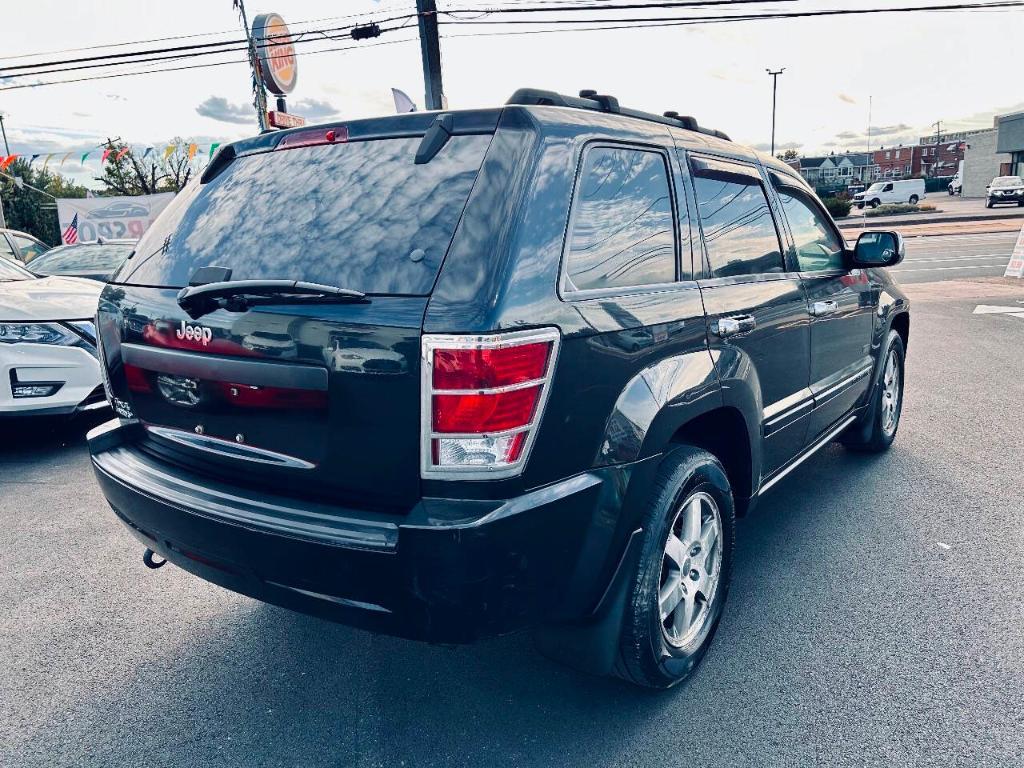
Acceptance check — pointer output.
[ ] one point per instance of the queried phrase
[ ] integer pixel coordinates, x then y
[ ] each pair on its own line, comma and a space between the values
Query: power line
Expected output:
194, 35
199, 66
88, 62
962, 6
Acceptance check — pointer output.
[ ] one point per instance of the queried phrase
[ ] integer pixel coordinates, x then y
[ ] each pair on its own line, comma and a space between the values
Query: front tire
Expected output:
679, 585
988, 203
875, 203
887, 405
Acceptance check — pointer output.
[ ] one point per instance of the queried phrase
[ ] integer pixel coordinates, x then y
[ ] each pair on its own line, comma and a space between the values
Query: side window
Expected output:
818, 247
739, 232
622, 232
29, 248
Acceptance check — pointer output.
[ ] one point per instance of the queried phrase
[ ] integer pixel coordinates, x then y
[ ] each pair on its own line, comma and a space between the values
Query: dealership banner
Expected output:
112, 218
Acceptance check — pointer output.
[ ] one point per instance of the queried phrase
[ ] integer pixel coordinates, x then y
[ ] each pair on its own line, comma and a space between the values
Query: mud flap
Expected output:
592, 644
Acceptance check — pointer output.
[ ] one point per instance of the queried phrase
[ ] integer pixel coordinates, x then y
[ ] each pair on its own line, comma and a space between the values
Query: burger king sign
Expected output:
278, 66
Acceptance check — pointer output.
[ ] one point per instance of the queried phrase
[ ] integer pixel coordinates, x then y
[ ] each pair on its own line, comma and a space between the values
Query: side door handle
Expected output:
735, 325
823, 308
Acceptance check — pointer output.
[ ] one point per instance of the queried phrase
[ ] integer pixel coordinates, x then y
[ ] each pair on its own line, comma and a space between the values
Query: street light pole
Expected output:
430, 48
775, 86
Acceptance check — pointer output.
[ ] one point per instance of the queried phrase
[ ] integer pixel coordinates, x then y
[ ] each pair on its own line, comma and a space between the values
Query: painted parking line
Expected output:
946, 269
926, 259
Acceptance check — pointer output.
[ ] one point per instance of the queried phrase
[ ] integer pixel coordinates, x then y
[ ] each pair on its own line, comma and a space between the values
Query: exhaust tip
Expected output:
152, 559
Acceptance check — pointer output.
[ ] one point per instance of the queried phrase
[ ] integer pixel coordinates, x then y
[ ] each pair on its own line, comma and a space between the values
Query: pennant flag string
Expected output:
191, 150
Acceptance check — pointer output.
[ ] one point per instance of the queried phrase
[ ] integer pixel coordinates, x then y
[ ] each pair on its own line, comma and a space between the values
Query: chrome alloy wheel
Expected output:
891, 393
690, 569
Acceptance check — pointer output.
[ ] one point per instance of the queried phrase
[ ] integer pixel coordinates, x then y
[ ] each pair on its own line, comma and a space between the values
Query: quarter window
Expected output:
818, 247
622, 231
739, 232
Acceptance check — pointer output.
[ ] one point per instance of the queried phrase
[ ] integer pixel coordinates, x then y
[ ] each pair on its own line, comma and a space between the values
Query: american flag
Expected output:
70, 235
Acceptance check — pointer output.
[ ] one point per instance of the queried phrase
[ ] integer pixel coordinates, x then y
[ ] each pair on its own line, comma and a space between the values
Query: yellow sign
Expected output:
278, 65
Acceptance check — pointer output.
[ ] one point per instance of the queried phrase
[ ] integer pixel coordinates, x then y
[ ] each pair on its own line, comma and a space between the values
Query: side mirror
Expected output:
878, 249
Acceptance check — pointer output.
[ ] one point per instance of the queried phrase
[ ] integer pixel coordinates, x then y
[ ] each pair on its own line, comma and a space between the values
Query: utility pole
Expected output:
935, 157
259, 95
7, 149
775, 85
430, 47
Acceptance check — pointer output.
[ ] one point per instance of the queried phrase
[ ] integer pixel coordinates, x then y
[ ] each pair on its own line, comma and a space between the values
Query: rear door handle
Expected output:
735, 325
823, 308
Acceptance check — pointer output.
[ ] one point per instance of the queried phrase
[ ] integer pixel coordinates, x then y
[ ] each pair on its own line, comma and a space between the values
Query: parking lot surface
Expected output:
874, 619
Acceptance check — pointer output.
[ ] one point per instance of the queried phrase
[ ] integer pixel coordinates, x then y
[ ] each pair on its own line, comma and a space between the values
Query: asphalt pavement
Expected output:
955, 257
874, 620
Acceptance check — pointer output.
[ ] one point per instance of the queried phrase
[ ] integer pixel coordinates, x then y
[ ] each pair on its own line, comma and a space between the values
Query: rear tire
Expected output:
887, 403
914, 199
680, 582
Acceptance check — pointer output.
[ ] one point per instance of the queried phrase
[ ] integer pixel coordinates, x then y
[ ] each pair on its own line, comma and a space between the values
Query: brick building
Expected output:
896, 162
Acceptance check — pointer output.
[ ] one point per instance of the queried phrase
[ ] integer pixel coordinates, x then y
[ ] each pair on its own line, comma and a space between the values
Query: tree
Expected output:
31, 210
158, 171
789, 154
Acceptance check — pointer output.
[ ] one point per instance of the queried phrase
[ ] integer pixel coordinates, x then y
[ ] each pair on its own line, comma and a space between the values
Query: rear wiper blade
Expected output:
240, 295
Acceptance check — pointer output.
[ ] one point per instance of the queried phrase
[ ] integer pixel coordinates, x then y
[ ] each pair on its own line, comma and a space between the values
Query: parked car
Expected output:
883, 192
119, 209
1005, 189
20, 246
602, 335
956, 184
48, 359
95, 261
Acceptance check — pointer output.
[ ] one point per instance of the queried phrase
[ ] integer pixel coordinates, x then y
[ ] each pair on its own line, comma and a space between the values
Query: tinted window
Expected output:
818, 247
358, 215
622, 230
29, 247
94, 259
739, 232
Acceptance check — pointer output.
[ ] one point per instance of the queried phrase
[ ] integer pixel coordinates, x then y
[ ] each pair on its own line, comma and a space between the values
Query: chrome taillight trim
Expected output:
430, 342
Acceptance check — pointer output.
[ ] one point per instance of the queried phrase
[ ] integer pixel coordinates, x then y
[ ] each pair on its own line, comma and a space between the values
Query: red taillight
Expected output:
487, 368
136, 378
483, 398
484, 413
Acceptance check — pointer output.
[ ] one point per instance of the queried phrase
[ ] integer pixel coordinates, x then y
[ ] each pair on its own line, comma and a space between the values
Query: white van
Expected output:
882, 192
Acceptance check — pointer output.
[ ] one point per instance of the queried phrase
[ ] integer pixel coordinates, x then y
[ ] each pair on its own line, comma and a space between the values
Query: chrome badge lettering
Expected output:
194, 333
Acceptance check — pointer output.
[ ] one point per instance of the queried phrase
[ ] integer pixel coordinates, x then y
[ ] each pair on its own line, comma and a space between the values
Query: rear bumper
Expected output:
450, 571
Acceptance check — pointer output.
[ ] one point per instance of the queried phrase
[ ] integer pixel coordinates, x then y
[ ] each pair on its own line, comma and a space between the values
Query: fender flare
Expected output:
665, 396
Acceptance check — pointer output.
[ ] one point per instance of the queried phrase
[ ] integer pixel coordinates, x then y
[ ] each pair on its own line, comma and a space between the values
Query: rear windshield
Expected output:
81, 258
358, 215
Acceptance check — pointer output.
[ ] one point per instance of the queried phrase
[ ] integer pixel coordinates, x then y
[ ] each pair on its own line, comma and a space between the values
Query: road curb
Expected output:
930, 219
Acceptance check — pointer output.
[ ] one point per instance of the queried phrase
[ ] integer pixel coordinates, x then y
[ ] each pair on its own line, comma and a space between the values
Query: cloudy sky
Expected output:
916, 68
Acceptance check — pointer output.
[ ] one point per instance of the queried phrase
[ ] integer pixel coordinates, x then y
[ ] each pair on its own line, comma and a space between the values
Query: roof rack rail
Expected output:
589, 99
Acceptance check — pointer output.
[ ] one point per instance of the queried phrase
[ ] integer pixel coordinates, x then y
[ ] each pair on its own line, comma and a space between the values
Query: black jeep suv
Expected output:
448, 375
